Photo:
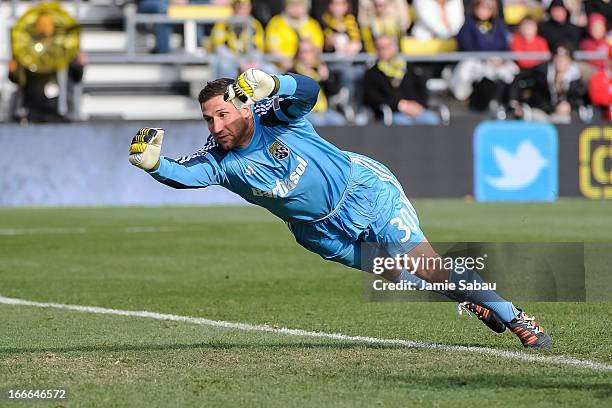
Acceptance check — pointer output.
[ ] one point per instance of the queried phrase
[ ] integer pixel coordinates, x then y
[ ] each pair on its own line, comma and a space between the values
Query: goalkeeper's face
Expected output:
229, 126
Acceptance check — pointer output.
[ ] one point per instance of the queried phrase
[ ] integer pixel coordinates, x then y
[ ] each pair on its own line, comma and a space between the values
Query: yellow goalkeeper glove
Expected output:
145, 149
252, 86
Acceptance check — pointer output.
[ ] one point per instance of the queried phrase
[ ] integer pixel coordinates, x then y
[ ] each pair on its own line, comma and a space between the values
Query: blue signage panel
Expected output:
516, 161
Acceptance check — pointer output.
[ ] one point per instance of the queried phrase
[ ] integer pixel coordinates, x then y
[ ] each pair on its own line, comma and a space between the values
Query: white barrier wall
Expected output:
87, 164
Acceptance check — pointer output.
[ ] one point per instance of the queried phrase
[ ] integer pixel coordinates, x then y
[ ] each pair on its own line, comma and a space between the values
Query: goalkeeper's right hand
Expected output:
253, 85
145, 149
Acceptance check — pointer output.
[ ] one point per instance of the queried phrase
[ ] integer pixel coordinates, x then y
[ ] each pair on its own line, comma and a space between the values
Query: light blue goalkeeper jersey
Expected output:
287, 167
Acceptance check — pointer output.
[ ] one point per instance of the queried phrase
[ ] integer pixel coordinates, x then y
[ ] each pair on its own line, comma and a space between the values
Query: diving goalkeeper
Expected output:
262, 148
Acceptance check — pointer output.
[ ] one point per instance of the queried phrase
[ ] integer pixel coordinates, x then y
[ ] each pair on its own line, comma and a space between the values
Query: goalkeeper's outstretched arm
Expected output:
298, 93
196, 171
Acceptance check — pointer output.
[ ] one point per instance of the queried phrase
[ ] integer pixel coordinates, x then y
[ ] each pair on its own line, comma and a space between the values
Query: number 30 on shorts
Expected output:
407, 222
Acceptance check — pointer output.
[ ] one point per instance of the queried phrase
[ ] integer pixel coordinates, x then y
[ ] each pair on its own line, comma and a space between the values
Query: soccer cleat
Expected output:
530, 333
483, 314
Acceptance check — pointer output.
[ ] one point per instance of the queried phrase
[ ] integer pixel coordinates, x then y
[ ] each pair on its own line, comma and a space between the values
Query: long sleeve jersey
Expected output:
286, 168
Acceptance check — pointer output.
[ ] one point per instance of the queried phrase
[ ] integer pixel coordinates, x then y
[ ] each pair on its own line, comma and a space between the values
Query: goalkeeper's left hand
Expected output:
252, 86
145, 148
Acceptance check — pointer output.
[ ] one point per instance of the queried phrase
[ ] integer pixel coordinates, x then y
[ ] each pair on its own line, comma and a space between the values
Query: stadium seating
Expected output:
122, 75
514, 13
414, 46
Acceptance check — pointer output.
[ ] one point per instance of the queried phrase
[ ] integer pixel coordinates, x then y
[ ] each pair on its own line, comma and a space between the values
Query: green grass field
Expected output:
240, 264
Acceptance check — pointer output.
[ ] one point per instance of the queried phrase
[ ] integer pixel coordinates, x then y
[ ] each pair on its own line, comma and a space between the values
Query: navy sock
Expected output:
487, 298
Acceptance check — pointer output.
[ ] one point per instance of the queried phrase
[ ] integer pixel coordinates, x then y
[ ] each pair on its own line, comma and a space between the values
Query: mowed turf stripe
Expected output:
559, 360
70, 231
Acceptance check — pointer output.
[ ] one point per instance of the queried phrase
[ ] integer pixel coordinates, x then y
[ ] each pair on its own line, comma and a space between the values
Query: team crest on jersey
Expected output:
279, 150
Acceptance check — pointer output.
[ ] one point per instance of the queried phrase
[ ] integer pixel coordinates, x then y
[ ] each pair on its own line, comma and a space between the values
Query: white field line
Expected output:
138, 230
71, 231
40, 231
516, 355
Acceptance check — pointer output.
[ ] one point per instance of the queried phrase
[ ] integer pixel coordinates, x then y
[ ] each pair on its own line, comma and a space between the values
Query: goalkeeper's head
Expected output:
231, 127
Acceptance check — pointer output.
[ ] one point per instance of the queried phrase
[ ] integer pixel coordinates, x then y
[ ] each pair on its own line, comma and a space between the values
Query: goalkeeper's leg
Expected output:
397, 230
486, 304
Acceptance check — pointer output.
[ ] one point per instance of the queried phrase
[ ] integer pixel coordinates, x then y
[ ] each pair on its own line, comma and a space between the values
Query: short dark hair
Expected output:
528, 18
214, 88
493, 3
563, 48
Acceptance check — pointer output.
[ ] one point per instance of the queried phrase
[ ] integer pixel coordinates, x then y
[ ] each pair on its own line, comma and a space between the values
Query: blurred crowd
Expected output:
296, 35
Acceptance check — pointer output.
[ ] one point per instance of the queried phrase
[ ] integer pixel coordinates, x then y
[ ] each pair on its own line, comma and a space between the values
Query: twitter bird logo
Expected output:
516, 161
519, 169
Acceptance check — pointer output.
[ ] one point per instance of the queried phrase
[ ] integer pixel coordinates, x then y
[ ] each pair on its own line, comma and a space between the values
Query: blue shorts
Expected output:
373, 209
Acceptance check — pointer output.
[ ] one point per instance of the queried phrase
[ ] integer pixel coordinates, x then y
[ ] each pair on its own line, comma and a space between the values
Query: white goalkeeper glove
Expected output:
145, 149
253, 85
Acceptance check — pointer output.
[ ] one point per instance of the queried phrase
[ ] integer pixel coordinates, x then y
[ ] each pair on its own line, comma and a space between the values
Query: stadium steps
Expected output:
103, 41
135, 91
139, 107
186, 79
142, 91
143, 73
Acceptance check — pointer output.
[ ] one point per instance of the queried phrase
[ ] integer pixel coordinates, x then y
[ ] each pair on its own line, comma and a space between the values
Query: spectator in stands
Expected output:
597, 42
284, 31
237, 46
321, 7
162, 31
600, 89
603, 7
382, 17
483, 30
340, 28
483, 81
342, 35
526, 39
437, 19
554, 89
308, 62
575, 10
47, 96
557, 29
398, 9
467, 5
398, 85
240, 38
264, 10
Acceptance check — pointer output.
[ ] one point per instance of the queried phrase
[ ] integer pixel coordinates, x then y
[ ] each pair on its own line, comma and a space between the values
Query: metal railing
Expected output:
189, 28
205, 59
